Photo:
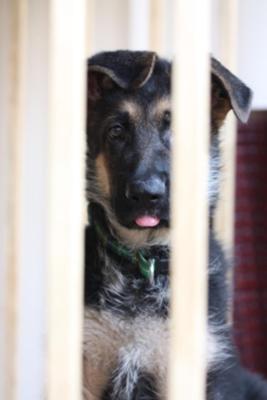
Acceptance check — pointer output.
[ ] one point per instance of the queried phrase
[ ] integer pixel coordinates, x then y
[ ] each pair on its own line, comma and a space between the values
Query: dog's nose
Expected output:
151, 190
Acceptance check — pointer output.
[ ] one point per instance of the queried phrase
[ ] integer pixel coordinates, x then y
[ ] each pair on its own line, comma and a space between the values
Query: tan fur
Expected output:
162, 105
102, 175
132, 108
136, 238
108, 338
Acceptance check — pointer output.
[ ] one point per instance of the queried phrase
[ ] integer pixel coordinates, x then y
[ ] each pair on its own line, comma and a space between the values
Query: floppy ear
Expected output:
228, 92
124, 69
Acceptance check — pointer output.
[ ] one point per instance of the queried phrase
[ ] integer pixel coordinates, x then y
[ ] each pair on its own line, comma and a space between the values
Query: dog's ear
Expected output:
125, 69
228, 92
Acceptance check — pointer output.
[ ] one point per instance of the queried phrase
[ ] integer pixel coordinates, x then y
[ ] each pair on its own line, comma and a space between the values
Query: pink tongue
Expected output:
147, 221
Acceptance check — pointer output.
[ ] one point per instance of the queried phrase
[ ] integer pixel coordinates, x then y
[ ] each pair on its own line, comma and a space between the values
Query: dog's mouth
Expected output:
141, 217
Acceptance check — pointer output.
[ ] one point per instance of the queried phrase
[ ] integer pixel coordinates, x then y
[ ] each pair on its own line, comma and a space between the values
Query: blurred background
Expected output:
122, 24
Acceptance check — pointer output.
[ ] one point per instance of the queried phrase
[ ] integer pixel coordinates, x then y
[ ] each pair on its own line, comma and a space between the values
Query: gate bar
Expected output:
189, 200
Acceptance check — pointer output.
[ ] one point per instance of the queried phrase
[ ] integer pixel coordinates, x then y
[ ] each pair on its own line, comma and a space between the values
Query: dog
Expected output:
126, 327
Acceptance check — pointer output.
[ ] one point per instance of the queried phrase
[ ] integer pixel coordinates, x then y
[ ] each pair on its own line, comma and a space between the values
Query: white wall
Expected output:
110, 25
252, 55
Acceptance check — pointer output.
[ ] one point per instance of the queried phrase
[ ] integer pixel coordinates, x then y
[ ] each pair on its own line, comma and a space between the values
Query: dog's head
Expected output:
129, 137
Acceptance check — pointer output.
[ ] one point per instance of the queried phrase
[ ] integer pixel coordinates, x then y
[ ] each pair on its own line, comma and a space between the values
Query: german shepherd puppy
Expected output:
126, 331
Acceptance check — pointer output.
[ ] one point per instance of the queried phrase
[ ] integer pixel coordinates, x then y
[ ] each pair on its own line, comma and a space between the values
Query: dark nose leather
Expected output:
151, 190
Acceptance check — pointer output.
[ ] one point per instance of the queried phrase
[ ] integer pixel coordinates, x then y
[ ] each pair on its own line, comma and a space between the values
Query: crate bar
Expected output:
66, 179
189, 200
228, 34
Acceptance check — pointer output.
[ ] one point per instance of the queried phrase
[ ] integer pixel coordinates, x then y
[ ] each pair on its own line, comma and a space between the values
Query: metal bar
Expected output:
187, 376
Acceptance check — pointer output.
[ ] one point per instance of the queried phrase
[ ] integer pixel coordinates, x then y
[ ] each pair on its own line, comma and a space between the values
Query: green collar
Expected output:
146, 265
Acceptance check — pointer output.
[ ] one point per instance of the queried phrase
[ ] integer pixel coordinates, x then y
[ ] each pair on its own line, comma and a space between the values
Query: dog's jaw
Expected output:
141, 238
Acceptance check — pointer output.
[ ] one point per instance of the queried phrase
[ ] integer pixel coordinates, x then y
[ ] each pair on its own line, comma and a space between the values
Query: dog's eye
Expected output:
116, 132
166, 119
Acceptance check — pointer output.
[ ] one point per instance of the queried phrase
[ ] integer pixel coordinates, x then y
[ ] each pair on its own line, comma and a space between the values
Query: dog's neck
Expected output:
144, 263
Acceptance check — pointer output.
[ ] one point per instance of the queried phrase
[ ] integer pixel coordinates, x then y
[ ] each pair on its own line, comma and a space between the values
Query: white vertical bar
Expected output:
228, 36
66, 178
31, 319
189, 200
12, 24
36, 106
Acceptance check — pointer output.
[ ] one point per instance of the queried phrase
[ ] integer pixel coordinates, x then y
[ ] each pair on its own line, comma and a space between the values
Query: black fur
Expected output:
132, 146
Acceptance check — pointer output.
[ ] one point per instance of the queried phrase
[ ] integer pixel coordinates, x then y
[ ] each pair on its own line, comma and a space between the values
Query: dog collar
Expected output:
146, 265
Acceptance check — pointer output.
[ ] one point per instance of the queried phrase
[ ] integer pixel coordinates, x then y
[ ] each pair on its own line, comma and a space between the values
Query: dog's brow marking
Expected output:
160, 106
132, 108
102, 174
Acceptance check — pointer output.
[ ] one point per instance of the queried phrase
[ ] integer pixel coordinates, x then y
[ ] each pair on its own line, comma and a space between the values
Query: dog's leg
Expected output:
130, 385
256, 387
145, 388
236, 383
226, 384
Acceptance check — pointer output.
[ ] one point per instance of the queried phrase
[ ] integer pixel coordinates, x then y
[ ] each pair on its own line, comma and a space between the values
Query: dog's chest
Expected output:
134, 345
126, 333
